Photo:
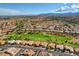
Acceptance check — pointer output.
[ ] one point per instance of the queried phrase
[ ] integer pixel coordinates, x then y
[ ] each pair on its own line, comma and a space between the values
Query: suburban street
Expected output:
54, 53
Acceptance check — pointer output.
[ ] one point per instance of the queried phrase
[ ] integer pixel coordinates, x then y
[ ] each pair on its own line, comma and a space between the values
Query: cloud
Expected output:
75, 6
4, 11
68, 8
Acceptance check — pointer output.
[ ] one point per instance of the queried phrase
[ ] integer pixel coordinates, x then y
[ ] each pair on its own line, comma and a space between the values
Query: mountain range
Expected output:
59, 14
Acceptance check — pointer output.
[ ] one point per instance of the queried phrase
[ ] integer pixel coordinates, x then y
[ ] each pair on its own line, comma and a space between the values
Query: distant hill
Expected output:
59, 14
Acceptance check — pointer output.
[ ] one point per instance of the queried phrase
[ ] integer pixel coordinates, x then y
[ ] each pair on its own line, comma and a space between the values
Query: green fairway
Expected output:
39, 36
42, 36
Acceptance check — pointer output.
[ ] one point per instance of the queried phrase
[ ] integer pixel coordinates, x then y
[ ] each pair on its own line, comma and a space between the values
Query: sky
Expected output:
37, 8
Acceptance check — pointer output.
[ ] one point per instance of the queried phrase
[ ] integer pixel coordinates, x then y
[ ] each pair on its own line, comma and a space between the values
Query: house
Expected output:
30, 43
28, 52
52, 45
4, 54
18, 42
12, 51
11, 42
26, 42
43, 44
36, 43
70, 49
77, 50
23, 42
43, 53
60, 47
74, 41
2, 42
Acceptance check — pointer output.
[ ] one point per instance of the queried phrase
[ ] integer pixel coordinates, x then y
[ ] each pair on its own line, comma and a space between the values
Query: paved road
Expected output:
22, 50
20, 46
